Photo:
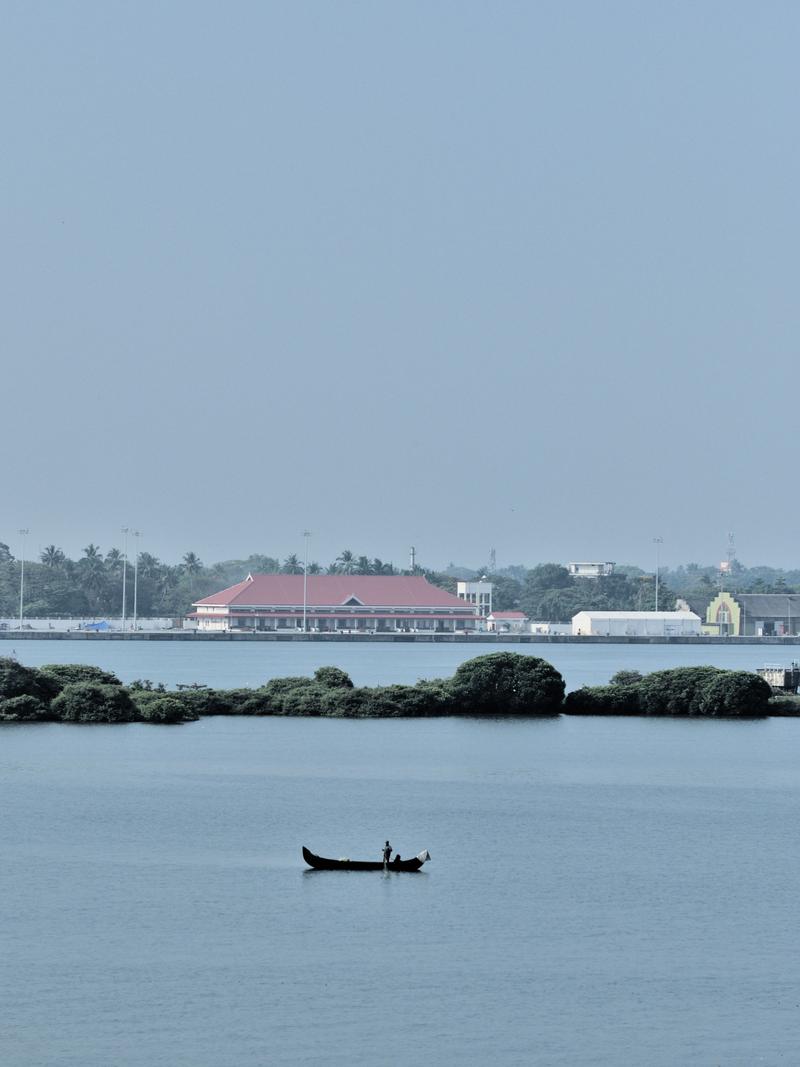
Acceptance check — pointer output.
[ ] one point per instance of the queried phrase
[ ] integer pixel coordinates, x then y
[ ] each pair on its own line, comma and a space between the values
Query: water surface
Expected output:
230, 664
602, 891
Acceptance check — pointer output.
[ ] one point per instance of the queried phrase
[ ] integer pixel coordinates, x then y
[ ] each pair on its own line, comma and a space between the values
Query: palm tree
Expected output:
52, 557
363, 566
191, 563
149, 565
314, 568
346, 562
93, 574
292, 565
114, 560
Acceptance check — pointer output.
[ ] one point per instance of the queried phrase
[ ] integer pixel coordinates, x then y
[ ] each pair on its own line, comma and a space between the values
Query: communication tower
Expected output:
726, 565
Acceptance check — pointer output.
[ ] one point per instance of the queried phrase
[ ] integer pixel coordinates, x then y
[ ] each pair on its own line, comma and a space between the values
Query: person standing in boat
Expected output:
387, 853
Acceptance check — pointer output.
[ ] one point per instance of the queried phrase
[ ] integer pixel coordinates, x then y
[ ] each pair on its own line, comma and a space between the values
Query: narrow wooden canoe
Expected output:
320, 863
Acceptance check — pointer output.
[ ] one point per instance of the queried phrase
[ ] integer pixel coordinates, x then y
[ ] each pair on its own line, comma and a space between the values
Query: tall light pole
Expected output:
658, 542
124, 570
306, 535
23, 534
137, 535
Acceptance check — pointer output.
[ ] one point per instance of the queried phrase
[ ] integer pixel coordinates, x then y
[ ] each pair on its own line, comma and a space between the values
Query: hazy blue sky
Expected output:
457, 275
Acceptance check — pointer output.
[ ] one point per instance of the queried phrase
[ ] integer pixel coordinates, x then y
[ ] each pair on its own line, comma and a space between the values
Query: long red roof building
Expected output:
327, 603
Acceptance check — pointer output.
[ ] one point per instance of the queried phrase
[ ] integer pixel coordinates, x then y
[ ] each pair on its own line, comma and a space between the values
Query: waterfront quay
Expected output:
487, 639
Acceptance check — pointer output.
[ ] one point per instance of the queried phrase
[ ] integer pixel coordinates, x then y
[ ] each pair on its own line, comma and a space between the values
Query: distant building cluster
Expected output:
747, 614
401, 604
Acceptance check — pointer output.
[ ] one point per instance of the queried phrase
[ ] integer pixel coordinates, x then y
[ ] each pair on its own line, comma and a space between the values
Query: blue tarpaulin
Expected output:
97, 627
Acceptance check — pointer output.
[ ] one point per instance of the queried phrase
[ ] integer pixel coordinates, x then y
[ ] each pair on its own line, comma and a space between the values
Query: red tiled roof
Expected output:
334, 590
295, 614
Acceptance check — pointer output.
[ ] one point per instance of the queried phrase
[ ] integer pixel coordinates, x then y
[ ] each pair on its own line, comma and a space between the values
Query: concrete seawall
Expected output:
477, 639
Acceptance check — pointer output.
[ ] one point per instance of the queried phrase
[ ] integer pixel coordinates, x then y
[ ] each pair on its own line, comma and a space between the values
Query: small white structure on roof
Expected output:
590, 570
636, 624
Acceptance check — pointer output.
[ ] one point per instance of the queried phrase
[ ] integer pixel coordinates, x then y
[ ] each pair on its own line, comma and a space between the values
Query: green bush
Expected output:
19, 681
626, 678
681, 691
333, 677
204, 701
677, 691
603, 700
70, 673
165, 709
735, 694
343, 703
23, 709
89, 702
305, 700
507, 683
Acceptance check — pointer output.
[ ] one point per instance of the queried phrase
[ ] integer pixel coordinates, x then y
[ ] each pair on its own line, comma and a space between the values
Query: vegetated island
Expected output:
504, 684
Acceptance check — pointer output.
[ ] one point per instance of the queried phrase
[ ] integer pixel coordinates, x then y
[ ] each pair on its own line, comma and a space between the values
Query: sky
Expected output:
459, 275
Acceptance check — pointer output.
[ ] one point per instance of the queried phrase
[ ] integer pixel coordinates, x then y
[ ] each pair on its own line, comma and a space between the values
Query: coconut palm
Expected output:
346, 562
292, 565
191, 563
149, 565
379, 567
114, 560
52, 557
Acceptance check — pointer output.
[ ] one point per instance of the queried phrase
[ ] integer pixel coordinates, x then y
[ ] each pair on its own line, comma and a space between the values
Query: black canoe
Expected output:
319, 863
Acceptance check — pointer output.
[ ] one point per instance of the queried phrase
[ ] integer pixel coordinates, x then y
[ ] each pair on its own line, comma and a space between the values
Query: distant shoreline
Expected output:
444, 638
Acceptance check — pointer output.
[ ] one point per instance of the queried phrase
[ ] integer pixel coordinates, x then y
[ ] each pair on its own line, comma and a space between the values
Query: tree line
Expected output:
56, 586
91, 586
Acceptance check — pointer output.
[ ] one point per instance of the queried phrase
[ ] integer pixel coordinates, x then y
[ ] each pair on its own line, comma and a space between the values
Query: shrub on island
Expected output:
682, 691
333, 678
165, 709
17, 680
736, 694
507, 683
69, 673
90, 702
23, 709
603, 700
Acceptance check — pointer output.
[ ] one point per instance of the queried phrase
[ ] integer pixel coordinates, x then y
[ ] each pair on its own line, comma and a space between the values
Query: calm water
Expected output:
234, 664
602, 891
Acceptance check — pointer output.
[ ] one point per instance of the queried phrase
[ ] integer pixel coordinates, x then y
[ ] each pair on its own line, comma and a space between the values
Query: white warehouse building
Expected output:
636, 624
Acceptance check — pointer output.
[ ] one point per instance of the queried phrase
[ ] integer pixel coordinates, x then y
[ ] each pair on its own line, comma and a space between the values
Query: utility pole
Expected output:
306, 535
137, 535
658, 542
125, 530
23, 534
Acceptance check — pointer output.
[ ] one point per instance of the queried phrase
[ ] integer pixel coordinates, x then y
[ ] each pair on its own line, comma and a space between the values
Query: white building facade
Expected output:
477, 593
636, 624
